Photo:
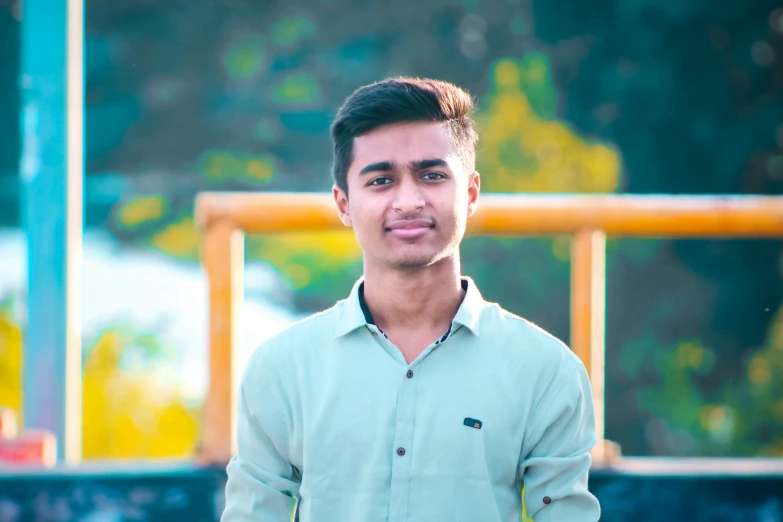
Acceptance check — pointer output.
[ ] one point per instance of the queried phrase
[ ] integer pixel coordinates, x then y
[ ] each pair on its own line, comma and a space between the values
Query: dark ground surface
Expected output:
196, 494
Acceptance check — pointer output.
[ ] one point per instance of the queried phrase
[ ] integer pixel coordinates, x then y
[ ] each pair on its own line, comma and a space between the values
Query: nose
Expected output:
408, 198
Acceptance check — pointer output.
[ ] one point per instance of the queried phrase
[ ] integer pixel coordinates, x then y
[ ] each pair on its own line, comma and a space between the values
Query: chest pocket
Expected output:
467, 436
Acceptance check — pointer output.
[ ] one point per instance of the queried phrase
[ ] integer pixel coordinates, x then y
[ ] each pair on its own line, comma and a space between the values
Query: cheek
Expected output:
366, 220
455, 207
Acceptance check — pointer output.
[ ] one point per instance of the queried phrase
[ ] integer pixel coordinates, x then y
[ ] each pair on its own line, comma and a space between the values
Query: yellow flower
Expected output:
142, 209
521, 151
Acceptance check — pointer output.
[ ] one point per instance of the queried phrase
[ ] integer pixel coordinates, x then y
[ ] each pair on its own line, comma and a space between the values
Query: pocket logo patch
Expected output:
472, 423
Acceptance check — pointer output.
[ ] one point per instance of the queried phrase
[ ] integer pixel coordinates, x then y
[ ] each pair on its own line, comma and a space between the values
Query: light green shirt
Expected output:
330, 410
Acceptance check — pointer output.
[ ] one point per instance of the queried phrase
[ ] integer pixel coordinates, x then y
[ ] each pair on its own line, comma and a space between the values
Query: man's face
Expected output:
409, 195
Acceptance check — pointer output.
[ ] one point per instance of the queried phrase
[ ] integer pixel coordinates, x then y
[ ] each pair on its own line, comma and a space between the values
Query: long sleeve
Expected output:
261, 482
556, 467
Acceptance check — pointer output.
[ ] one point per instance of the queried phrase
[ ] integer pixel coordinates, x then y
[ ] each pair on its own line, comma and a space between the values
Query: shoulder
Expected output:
526, 338
545, 366
534, 355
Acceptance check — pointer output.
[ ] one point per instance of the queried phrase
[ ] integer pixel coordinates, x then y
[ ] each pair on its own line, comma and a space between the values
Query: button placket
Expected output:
402, 448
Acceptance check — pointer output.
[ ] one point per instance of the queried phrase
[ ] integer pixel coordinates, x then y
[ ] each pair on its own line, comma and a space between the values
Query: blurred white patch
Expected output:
154, 293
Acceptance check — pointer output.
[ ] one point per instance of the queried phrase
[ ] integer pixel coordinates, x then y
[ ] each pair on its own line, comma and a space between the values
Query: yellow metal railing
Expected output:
224, 217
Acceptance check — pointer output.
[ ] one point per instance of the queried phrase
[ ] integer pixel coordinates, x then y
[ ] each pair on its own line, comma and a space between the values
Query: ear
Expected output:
474, 187
341, 200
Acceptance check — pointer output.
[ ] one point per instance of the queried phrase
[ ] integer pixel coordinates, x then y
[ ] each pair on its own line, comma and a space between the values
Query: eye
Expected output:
380, 181
433, 176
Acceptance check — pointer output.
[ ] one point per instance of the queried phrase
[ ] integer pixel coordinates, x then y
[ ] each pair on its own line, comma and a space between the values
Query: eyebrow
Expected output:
381, 166
428, 164
388, 166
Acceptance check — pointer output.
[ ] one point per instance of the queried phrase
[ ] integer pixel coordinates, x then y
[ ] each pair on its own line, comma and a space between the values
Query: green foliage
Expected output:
321, 265
291, 30
522, 272
297, 90
178, 239
533, 139
244, 57
739, 418
138, 212
525, 148
536, 83
221, 165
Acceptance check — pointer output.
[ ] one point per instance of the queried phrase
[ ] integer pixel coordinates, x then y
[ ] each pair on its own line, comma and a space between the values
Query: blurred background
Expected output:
642, 96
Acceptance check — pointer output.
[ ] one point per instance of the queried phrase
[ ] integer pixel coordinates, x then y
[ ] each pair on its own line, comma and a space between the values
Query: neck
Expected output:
420, 299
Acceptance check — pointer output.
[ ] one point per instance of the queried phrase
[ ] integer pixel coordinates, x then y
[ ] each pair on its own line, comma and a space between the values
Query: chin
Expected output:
411, 264
414, 262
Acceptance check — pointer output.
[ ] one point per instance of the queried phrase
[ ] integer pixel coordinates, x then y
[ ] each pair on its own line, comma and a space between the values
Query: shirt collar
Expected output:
355, 313
472, 307
351, 316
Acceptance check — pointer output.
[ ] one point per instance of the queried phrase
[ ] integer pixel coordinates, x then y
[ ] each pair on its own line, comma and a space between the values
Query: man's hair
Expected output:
400, 100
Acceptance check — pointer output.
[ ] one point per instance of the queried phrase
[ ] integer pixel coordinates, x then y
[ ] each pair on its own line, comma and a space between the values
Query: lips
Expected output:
409, 228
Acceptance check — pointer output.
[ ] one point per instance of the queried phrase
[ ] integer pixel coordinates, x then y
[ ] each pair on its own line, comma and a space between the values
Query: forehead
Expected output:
402, 143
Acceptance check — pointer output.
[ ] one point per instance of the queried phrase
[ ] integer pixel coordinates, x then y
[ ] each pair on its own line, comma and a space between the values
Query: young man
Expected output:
413, 399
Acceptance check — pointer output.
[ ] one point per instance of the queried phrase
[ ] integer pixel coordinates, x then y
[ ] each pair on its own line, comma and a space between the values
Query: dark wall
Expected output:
197, 495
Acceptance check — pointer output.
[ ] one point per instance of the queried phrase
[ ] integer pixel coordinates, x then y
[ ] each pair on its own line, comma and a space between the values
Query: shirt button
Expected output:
409, 374
400, 451
547, 500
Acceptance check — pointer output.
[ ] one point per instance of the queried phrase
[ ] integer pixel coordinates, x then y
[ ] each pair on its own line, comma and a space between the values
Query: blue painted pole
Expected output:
52, 172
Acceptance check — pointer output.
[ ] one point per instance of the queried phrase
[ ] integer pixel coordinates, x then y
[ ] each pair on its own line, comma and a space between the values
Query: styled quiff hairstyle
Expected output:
400, 100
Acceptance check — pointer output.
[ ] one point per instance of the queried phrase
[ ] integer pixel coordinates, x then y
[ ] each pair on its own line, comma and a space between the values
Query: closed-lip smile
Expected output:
409, 228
